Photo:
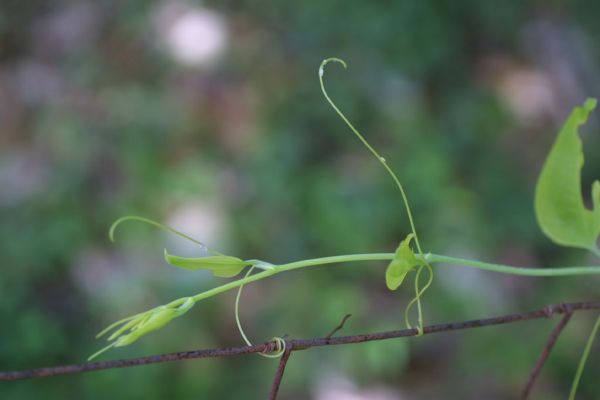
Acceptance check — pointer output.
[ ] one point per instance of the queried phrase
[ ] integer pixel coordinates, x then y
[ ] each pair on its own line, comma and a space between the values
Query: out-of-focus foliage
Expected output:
208, 117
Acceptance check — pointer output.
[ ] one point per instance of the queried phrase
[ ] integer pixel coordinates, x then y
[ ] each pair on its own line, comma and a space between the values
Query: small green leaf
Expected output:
403, 262
222, 266
155, 319
559, 206
136, 326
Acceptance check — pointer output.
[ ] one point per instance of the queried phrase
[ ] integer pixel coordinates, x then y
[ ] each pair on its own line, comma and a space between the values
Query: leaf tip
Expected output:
169, 258
391, 285
590, 104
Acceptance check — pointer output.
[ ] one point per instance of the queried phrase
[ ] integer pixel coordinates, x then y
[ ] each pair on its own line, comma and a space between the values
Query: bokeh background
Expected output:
208, 116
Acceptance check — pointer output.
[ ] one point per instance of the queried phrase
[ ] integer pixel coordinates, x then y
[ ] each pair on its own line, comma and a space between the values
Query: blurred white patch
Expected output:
529, 92
203, 221
193, 36
337, 387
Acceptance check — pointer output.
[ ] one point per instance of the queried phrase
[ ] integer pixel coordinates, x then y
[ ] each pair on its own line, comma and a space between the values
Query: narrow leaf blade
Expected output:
222, 266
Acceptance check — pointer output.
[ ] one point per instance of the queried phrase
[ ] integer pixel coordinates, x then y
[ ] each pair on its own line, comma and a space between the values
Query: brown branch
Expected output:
339, 326
297, 344
286, 356
280, 370
545, 353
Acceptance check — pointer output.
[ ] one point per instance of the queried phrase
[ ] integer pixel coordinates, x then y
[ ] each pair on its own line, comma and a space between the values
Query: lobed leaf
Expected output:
559, 205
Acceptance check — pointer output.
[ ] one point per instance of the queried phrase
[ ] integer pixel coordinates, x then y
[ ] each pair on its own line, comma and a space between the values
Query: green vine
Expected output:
418, 291
559, 209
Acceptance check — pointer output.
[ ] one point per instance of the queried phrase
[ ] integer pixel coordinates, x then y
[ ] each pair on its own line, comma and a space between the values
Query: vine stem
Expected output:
438, 258
429, 257
418, 291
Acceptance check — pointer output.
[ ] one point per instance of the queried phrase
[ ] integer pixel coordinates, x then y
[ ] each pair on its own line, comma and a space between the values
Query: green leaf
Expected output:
153, 320
596, 205
222, 266
136, 326
559, 206
403, 262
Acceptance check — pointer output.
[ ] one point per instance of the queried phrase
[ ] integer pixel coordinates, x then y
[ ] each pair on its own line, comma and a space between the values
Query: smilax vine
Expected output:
559, 208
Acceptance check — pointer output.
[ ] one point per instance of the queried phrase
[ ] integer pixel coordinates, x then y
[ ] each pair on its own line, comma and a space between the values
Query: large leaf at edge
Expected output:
559, 206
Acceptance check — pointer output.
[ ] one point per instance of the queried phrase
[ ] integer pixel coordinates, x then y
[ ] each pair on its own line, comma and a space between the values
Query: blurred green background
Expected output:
208, 116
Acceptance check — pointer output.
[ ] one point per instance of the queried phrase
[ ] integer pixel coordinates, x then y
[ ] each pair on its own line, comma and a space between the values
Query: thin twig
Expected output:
297, 344
286, 355
544, 354
280, 370
339, 326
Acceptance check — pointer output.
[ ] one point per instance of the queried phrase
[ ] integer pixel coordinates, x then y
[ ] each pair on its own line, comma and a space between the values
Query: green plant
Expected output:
559, 208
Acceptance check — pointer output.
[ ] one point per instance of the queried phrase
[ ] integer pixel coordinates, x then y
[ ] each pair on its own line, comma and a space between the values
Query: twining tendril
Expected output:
113, 227
418, 292
279, 342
